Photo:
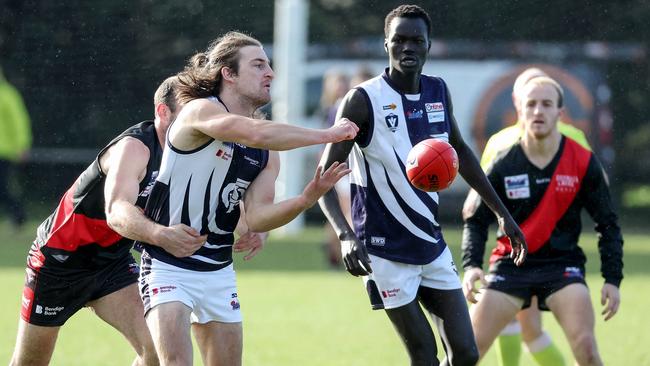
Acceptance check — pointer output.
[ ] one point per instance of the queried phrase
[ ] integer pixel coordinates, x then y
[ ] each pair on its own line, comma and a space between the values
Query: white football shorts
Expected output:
394, 284
211, 295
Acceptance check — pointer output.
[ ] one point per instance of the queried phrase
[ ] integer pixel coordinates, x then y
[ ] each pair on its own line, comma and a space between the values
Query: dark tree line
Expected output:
89, 68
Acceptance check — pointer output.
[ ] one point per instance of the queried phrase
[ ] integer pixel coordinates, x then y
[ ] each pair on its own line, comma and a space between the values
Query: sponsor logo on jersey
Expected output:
233, 193
545, 180
572, 272
517, 186
435, 117
392, 121
414, 114
389, 293
391, 106
378, 241
566, 183
252, 161
223, 154
434, 107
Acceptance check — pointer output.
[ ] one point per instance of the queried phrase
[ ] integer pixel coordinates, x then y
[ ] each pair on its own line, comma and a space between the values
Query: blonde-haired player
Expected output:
545, 180
528, 324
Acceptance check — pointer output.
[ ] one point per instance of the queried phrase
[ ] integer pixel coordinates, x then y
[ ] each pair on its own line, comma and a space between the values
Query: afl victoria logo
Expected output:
392, 121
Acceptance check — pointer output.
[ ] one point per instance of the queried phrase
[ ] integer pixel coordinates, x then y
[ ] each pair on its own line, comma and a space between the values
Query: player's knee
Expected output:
422, 354
146, 352
150, 358
483, 344
175, 358
465, 359
424, 360
32, 359
467, 356
149, 355
586, 350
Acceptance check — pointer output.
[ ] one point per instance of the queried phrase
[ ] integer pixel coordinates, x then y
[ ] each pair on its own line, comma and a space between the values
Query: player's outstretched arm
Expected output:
471, 171
264, 215
214, 121
353, 252
125, 165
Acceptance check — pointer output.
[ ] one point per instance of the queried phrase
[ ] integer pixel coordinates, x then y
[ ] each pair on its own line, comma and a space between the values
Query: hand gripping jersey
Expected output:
395, 220
202, 188
76, 235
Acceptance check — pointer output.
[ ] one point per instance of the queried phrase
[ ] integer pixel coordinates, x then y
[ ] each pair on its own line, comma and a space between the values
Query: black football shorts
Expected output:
540, 281
53, 294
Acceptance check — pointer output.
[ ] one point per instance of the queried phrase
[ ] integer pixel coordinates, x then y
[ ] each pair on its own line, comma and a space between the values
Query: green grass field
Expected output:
297, 312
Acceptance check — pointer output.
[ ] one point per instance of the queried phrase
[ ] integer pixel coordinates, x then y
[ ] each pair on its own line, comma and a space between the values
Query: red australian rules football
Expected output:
432, 165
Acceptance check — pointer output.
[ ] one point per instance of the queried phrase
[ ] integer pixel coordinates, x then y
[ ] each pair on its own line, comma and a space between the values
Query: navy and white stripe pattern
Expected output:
395, 220
202, 189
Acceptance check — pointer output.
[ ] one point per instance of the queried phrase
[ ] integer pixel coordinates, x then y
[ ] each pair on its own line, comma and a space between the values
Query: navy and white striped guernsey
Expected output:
395, 220
202, 189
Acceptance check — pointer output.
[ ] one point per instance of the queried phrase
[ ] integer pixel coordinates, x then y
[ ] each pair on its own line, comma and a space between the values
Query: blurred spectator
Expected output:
335, 85
363, 73
15, 142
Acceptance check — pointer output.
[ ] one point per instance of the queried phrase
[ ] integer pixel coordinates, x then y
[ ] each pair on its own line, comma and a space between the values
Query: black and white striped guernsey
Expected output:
202, 189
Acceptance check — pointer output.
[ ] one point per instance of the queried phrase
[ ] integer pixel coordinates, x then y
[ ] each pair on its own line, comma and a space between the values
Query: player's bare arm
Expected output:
212, 120
125, 166
470, 169
354, 253
248, 241
264, 215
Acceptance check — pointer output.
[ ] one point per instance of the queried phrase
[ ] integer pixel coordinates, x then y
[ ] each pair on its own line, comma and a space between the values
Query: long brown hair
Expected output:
201, 78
